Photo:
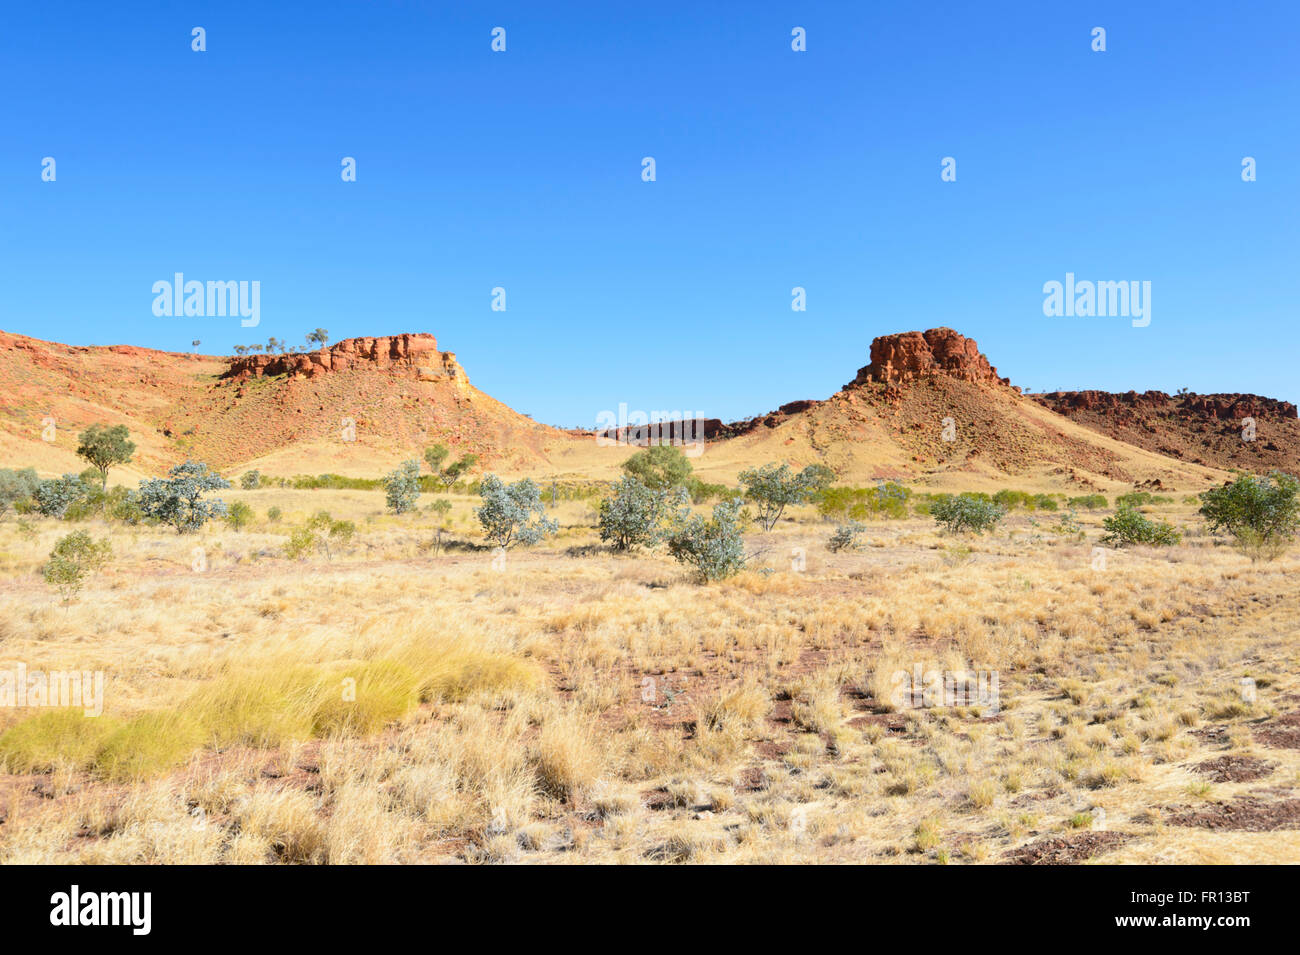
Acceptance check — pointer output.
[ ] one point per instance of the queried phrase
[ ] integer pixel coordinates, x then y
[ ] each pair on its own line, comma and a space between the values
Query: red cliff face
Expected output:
940, 351
413, 356
1231, 407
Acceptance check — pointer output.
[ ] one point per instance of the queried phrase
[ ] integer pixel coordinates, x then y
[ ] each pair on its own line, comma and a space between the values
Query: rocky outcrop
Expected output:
414, 356
910, 356
1225, 407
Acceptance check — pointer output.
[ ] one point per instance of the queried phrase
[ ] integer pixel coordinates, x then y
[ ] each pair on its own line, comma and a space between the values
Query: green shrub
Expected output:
250, 480
103, 447
659, 467
302, 541
1088, 502
773, 487
178, 499
968, 511
1127, 526
1261, 513
638, 516
402, 487
73, 559
53, 496
1134, 499
239, 515
16, 486
713, 546
702, 492
846, 537
513, 514
449, 475
273, 515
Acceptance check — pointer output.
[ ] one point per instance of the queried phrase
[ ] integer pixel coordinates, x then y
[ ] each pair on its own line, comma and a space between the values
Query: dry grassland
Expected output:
575, 706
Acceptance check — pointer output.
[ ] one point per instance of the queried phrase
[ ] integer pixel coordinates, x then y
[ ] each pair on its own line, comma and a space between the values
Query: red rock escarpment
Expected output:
1225, 407
409, 355
909, 356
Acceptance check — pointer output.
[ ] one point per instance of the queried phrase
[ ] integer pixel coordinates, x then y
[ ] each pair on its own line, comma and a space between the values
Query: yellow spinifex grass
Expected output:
278, 697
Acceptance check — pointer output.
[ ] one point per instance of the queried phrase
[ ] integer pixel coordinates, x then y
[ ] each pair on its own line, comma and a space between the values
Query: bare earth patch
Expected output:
1245, 814
1067, 850
1234, 768
1281, 733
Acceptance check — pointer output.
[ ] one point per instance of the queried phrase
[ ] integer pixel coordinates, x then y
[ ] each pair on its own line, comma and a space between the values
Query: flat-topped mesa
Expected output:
1223, 407
909, 356
413, 356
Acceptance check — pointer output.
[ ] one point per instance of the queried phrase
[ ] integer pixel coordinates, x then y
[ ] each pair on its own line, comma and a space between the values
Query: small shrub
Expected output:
402, 487
178, 499
16, 486
239, 515
1134, 499
1127, 526
846, 537
1261, 513
637, 516
714, 546
1012, 499
250, 480
53, 496
966, 512
774, 487
273, 515
513, 514
302, 541
73, 559
1088, 502
659, 467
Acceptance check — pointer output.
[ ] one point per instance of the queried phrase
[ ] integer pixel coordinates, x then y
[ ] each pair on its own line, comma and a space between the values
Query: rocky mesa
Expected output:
910, 356
410, 355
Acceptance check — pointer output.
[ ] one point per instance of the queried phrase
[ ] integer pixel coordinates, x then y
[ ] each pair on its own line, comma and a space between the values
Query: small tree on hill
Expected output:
104, 447
178, 500
318, 337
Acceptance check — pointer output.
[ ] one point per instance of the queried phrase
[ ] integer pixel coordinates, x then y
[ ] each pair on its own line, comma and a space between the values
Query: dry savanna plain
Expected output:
408, 696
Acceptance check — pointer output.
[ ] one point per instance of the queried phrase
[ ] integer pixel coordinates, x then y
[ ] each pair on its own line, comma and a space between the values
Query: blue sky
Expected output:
775, 169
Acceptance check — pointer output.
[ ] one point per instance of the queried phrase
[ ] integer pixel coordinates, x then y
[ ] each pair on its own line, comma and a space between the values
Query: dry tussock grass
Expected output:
386, 704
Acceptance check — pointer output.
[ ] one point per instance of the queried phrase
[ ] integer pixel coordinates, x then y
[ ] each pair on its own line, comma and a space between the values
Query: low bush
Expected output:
846, 537
1261, 513
1127, 526
966, 512
713, 546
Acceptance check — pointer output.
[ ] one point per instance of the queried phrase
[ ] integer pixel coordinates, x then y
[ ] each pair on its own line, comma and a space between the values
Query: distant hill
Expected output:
929, 409
1213, 430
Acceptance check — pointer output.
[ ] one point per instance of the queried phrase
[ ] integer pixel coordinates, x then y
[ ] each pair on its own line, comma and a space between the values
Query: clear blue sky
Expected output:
775, 169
